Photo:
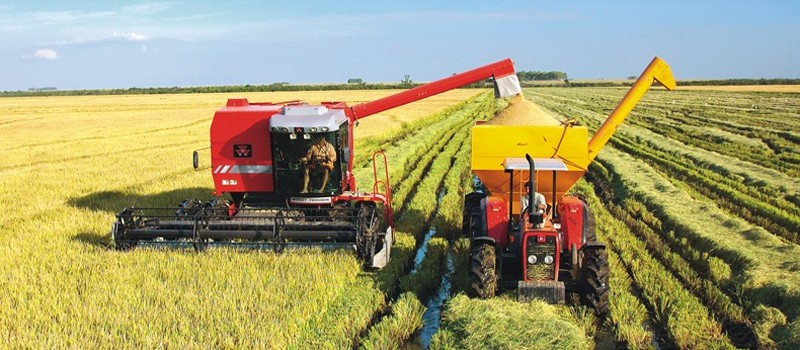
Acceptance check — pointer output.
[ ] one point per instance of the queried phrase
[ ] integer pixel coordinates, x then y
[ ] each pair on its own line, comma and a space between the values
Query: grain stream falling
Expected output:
522, 112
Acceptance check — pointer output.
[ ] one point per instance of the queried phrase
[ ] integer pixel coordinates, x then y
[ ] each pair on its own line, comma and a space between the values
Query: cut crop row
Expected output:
764, 269
647, 227
762, 205
678, 311
776, 215
778, 142
419, 211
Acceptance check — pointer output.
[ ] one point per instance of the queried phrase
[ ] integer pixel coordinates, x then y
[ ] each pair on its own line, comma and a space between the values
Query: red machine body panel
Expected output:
571, 212
497, 219
241, 159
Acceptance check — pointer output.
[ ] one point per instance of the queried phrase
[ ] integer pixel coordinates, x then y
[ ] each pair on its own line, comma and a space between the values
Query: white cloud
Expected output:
131, 36
113, 37
43, 54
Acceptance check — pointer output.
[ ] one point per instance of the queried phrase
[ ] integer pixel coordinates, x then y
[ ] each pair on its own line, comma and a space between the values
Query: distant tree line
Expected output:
356, 85
282, 86
46, 88
537, 75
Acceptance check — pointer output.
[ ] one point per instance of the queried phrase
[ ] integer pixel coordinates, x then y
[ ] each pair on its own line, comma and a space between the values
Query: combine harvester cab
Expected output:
548, 248
283, 177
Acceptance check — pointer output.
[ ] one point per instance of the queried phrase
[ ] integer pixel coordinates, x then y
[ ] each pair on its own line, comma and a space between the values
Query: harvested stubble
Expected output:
523, 112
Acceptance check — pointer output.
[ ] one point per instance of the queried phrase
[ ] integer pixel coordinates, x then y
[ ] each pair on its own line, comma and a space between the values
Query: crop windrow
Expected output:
768, 206
756, 278
644, 225
420, 208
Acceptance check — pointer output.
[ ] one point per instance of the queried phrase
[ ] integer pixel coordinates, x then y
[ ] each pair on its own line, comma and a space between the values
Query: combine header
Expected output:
283, 177
545, 246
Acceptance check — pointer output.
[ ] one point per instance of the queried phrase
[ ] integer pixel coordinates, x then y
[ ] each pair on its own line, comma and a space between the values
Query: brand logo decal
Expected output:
243, 151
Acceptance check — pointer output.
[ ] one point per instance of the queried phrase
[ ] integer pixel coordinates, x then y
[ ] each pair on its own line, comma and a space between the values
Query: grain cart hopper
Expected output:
283, 177
548, 248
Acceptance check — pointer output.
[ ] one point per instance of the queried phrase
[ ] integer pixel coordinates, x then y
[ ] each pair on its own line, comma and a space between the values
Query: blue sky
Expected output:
120, 44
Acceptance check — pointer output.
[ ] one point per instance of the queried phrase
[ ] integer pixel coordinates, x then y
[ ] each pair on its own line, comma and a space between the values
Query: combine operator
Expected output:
319, 159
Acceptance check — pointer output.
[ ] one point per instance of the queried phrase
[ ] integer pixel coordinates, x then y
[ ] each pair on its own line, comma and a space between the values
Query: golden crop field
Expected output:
696, 197
70, 163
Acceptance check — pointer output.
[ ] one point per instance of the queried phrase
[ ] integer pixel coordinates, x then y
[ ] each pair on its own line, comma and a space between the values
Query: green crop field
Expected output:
697, 196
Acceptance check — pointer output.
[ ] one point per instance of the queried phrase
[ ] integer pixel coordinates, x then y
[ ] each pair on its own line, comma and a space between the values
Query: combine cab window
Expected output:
307, 164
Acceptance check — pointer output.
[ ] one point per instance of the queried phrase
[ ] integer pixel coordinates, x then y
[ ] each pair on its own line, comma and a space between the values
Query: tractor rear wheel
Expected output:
483, 272
594, 279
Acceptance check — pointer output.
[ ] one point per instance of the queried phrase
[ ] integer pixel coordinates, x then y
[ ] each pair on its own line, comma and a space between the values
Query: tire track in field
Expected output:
7, 122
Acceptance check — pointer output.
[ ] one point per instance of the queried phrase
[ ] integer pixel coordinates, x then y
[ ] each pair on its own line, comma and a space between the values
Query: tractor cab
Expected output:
534, 233
535, 212
310, 151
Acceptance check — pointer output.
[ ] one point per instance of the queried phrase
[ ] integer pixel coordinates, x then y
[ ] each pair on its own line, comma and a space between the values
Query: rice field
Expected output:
697, 196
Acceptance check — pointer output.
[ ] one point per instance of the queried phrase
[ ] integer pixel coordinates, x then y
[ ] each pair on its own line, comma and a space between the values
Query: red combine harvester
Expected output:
287, 171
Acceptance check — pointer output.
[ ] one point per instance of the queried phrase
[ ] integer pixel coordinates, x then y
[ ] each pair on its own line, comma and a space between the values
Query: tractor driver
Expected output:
319, 158
539, 202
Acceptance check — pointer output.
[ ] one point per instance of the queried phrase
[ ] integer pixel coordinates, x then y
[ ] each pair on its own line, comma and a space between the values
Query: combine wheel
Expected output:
484, 275
367, 236
593, 285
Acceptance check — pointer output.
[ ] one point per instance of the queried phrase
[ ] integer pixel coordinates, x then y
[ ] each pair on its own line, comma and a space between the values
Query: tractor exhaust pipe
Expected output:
532, 192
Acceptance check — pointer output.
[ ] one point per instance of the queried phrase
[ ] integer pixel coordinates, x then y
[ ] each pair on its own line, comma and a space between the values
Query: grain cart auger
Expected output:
543, 245
283, 177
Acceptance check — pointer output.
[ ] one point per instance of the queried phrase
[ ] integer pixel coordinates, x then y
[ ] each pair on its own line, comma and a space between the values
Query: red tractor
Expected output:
283, 177
547, 245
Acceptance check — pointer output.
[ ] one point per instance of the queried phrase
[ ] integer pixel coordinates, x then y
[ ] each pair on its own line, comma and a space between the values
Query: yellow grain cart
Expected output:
528, 247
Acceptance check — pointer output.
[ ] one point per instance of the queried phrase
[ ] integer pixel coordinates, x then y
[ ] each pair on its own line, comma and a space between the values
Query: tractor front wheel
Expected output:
484, 274
594, 279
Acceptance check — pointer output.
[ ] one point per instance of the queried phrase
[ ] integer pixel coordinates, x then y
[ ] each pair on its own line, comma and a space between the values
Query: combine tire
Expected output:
484, 274
594, 279
367, 238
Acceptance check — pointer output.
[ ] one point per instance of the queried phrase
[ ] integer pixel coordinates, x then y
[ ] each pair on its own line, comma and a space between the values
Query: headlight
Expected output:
313, 129
548, 260
531, 259
324, 128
